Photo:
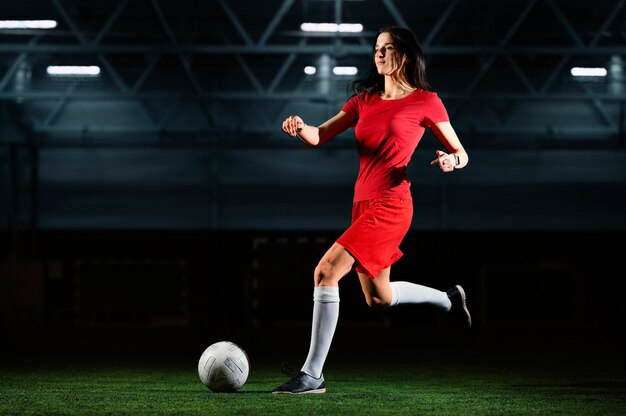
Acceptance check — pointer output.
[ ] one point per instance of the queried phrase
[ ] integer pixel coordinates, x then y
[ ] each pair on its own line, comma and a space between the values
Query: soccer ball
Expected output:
223, 367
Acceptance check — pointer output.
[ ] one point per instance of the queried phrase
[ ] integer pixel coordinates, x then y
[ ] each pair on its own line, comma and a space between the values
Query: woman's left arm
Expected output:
456, 157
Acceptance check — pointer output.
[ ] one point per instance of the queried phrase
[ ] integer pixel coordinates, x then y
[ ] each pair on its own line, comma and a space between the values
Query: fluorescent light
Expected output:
319, 27
338, 70
88, 71
345, 70
351, 27
332, 27
28, 24
588, 72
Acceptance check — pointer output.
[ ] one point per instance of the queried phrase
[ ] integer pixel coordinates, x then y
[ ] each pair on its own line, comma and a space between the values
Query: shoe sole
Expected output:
469, 317
318, 391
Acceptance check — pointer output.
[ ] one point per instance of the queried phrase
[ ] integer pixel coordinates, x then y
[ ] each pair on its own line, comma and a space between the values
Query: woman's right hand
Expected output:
292, 125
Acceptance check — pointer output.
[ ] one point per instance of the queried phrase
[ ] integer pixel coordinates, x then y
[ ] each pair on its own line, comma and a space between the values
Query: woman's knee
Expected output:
335, 264
326, 274
377, 302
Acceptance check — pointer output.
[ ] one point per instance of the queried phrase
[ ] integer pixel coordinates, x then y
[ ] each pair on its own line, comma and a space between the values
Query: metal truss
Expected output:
257, 105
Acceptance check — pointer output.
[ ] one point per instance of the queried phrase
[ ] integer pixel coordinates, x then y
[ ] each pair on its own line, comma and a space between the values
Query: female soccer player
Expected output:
389, 112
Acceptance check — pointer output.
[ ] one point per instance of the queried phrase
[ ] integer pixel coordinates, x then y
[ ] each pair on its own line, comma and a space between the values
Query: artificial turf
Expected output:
399, 382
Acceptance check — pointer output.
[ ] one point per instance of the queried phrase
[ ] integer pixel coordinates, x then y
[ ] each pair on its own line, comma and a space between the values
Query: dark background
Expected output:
159, 206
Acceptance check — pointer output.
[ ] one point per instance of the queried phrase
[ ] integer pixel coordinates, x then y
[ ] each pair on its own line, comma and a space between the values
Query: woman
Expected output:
389, 112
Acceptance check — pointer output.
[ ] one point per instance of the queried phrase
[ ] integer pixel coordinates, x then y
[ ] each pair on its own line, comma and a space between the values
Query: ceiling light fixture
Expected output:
85, 71
332, 27
337, 70
345, 70
588, 72
28, 24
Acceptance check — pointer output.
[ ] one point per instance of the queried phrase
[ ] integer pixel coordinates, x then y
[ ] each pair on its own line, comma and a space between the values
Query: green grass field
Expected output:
424, 382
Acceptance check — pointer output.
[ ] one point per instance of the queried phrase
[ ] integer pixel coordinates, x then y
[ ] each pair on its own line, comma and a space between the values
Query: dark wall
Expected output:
122, 288
289, 186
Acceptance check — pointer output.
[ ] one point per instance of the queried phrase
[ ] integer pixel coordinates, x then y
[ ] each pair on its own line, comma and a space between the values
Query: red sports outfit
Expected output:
387, 133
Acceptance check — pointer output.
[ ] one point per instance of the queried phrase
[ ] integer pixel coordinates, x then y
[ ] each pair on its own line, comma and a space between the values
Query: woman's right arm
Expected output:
316, 136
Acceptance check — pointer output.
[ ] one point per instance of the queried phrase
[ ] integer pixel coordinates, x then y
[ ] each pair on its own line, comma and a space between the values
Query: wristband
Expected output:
457, 160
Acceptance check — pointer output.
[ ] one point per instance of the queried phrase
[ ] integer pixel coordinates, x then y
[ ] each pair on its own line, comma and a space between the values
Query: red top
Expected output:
387, 133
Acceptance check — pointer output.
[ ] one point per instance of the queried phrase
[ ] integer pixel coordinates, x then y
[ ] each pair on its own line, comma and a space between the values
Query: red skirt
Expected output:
378, 227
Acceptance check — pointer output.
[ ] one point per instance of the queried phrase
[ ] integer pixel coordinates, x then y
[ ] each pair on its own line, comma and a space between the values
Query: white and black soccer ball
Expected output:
224, 367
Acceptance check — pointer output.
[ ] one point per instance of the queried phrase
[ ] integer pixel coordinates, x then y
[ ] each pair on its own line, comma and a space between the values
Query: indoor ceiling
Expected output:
232, 70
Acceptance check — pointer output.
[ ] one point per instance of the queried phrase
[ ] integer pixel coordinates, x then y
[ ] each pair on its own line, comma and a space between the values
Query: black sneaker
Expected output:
302, 383
459, 306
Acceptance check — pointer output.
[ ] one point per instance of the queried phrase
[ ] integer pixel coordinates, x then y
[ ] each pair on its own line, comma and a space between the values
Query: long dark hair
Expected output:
406, 43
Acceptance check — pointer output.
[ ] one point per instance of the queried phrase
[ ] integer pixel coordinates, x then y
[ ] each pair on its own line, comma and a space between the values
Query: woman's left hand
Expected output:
445, 161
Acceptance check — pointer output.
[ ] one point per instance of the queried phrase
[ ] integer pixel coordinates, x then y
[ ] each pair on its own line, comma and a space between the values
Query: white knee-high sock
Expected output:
325, 316
407, 292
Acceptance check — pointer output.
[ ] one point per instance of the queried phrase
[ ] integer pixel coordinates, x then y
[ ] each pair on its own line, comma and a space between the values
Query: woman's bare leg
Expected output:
335, 264
377, 291
382, 292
